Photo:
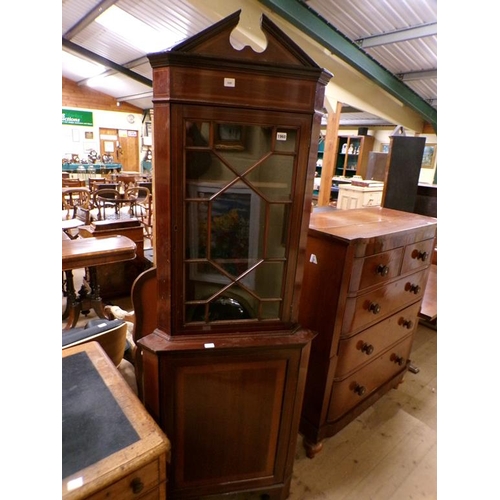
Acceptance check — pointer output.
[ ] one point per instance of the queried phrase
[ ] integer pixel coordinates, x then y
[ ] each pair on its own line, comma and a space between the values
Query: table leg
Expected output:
84, 301
95, 294
73, 304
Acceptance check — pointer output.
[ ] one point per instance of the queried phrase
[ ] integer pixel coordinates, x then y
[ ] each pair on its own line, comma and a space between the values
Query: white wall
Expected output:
73, 139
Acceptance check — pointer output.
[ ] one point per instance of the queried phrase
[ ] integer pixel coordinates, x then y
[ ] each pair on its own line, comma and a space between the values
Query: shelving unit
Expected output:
352, 155
319, 167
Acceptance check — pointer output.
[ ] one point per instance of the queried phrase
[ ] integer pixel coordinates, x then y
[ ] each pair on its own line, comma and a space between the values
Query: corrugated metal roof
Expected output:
413, 60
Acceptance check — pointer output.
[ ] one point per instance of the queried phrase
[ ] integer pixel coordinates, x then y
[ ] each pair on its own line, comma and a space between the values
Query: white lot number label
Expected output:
229, 82
281, 136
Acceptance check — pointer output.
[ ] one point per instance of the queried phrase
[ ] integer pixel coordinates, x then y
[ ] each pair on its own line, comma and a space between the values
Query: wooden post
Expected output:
328, 169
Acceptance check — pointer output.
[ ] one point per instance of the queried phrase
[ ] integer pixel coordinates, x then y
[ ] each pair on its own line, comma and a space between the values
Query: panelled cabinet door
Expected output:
236, 226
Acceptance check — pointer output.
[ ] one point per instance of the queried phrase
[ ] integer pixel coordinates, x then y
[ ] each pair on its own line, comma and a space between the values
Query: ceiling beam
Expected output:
402, 35
418, 75
73, 47
314, 26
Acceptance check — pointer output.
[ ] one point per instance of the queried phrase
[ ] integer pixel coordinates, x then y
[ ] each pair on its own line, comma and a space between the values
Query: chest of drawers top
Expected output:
372, 230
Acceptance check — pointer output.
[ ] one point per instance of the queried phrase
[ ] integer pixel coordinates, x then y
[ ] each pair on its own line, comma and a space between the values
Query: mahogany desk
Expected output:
89, 253
111, 446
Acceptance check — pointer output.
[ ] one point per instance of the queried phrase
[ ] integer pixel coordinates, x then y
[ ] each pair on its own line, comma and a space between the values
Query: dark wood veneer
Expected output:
228, 392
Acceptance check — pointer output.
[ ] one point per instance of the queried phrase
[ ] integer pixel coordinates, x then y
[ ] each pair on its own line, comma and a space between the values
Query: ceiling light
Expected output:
135, 32
81, 67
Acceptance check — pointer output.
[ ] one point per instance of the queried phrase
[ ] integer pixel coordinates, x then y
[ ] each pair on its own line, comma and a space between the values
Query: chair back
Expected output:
144, 296
74, 198
103, 198
72, 183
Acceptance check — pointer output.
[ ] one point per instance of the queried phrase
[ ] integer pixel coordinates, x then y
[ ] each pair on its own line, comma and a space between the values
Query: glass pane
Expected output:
241, 146
273, 177
278, 231
270, 310
286, 140
269, 280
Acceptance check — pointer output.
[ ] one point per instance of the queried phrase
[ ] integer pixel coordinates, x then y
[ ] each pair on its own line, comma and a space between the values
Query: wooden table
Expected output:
89, 253
111, 447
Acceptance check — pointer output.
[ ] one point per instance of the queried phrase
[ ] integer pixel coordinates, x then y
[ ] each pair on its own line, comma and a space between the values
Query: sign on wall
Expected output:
77, 117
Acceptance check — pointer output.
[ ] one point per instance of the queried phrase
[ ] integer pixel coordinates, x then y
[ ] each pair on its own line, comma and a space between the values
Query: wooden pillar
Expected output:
328, 169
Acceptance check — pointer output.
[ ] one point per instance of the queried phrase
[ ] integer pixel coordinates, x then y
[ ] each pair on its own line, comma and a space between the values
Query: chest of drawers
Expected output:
364, 279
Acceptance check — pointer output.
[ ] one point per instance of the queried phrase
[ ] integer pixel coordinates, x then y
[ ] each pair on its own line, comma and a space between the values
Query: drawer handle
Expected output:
423, 256
374, 307
382, 270
407, 323
137, 485
359, 389
399, 360
412, 288
367, 348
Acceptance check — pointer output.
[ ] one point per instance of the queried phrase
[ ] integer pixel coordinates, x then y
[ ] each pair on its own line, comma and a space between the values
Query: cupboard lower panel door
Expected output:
233, 413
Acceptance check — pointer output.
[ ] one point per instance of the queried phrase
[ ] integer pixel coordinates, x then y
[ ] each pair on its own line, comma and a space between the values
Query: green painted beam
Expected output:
314, 26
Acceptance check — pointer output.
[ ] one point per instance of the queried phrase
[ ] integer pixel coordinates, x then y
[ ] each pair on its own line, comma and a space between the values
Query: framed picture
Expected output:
429, 156
224, 226
229, 136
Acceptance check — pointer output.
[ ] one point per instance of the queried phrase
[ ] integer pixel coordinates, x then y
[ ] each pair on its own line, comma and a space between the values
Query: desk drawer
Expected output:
142, 481
417, 256
376, 269
380, 303
368, 344
346, 394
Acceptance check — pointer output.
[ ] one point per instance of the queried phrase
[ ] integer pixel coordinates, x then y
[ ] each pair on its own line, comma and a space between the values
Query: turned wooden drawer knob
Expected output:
398, 359
359, 389
137, 485
382, 270
407, 323
367, 348
414, 289
423, 256
374, 308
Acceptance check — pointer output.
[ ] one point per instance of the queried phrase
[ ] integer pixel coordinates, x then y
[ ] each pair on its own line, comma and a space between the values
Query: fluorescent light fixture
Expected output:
111, 82
81, 67
135, 32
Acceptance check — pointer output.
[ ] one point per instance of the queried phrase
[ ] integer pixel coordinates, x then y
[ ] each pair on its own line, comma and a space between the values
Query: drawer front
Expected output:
417, 256
368, 344
346, 394
136, 485
376, 269
380, 303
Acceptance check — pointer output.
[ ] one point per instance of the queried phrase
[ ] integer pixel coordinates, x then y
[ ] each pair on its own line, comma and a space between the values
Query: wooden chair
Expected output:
76, 206
66, 182
144, 297
141, 206
110, 198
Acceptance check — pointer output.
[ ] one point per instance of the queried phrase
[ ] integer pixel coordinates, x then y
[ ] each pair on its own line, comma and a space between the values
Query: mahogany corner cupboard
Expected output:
223, 373
363, 286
